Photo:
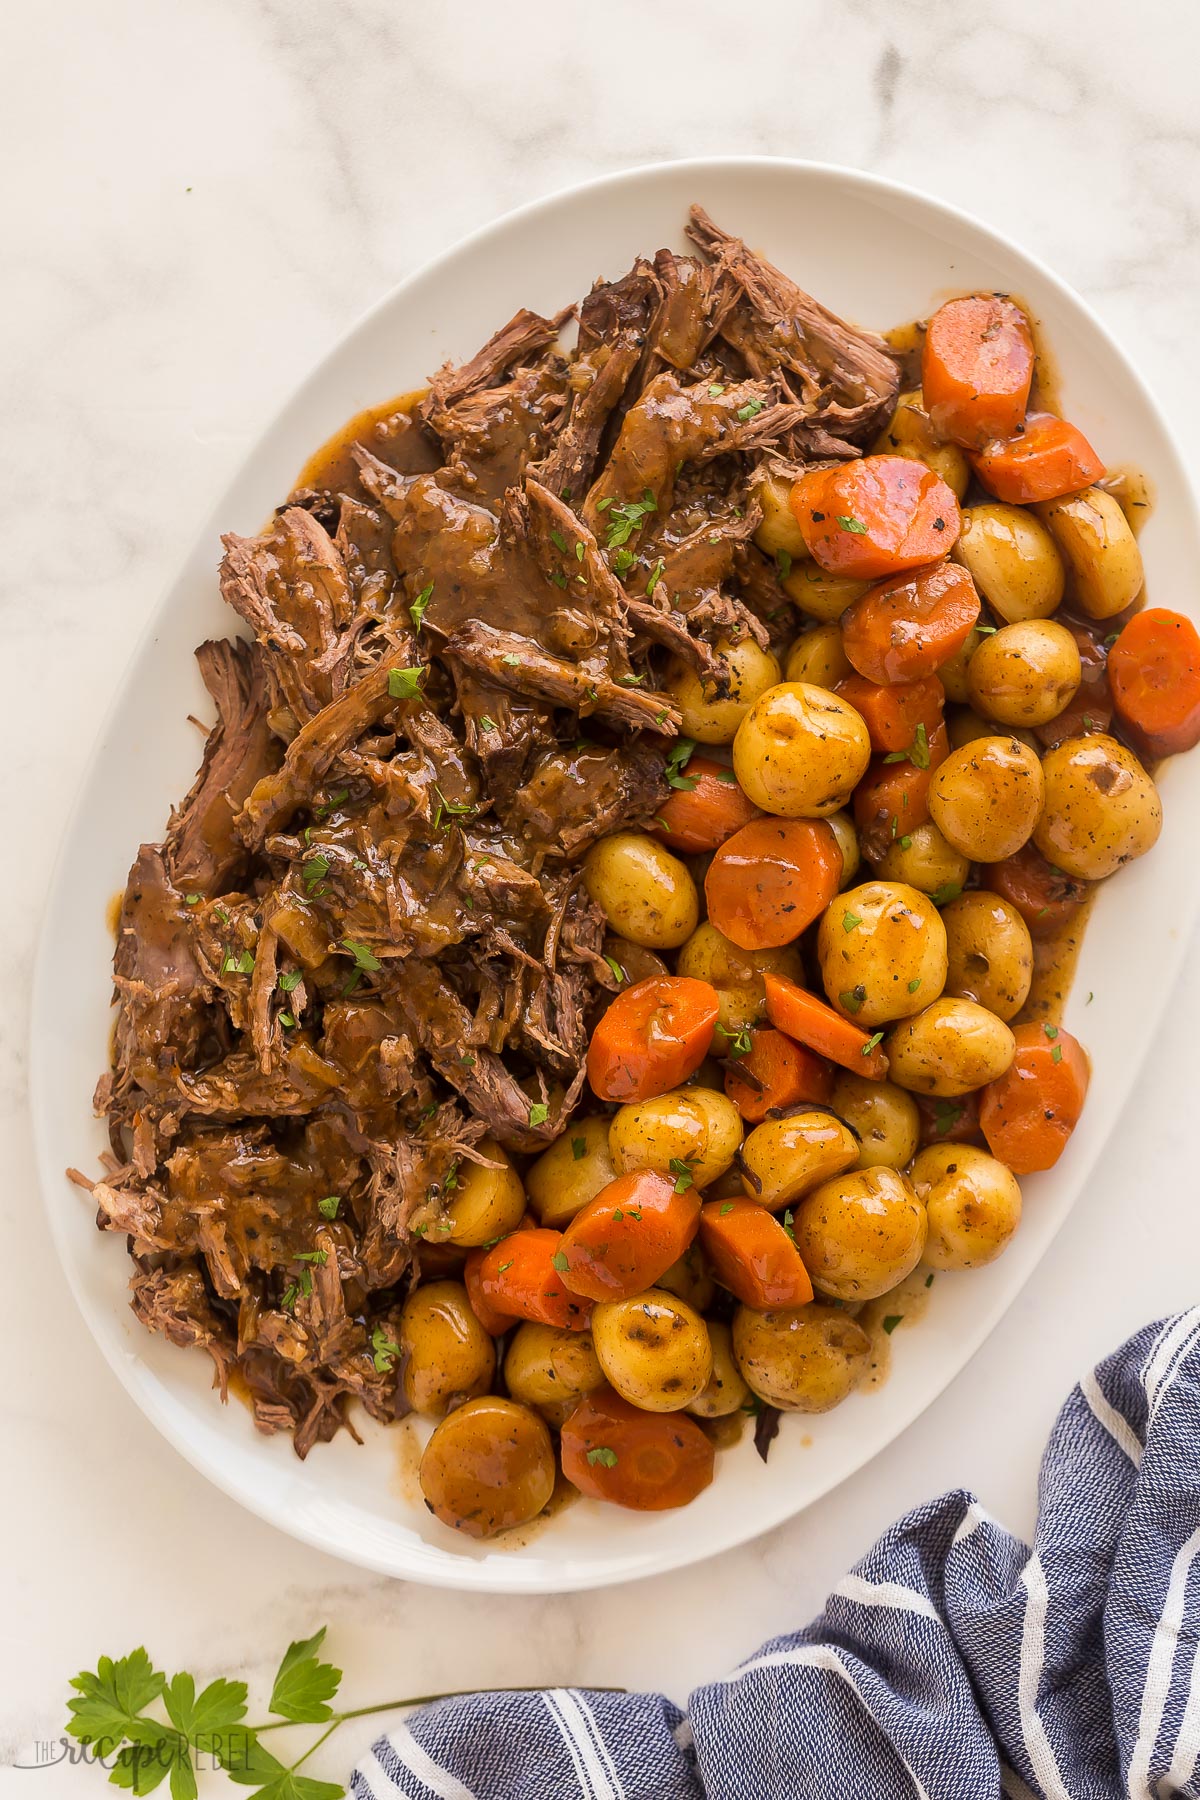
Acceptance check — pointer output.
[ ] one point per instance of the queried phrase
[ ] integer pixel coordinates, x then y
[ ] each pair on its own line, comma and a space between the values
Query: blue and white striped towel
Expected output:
953, 1664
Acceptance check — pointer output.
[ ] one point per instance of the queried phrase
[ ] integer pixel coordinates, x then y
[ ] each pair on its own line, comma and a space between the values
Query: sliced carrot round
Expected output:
705, 807
770, 880
752, 1254
904, 630
1028, 1114
875, 517
800, 1015
1045, 897
1154, 674
630, 1234
894, 715
652, 1037
1043, 459
775, 1074
893, 797
648, 1461
494, 1322
977, 368
522, 1276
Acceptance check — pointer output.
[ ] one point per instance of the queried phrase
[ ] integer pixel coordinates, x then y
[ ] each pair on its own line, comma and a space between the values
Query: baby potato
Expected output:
736, 974
570, 1173
817, 657
882, 948
910, 433
712, 713
923, 859
845, 831
550, 1368
1101, 809
783, 1158
883, 1115
973, 1203
963, 726
1025, 674
1012, 559
953, 674
989, 952
485, 1203
779, 530
986, 797
800, 1358
635, 961
692, 1125
949, 1048
1099, 548
726, 1392
821, 595
445, 1354
488, 1467
860, 1233
654, 1350
800, 751
691, 1278
645, 893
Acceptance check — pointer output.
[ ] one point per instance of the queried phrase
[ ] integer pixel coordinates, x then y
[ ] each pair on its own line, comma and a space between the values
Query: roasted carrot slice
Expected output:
904, 630
1044, 459
775, 1074
1028, 1114
629, 1235
953, 1121
976, 368
494, 1322
876, 516
893, 797
1154, 674
893, 715
800, 1015
706, 806
649, 1461
522, 1276
652, 1037
770, 880
1045, 898
752, 1254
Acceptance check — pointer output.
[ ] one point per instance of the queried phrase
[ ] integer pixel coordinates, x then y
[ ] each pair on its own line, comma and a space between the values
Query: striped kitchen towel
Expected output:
954, 1663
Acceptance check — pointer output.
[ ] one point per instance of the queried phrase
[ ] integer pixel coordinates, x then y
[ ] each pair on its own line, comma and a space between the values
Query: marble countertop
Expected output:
198, 200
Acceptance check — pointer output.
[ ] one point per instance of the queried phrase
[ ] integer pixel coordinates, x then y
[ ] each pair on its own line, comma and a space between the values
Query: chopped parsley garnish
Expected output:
288, 1021
512, 661
624, 520
405, 684
949, 890
946, 1116
853, 998
384, 1351
559, 1259
487, 722
1056, 1053
914, 984
783, 562
917, 752
238, 963
739, 1041
789, 1222
682, 1174
314, 869
872, 1041
617, 971
849, 524
715, 389
726, 1208
560, 542
328, 1207
656, 575
192, 899
579, 1148
747, 412
850, 922
318, 1257
891, 1322
905, 842
364, 957
504, 1268
604, 1456
291, 981
417, 610
539, 1112
1051, 1031
623, 561
677, 761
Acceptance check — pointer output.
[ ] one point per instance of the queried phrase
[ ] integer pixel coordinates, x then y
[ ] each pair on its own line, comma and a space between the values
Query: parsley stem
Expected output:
328, 1732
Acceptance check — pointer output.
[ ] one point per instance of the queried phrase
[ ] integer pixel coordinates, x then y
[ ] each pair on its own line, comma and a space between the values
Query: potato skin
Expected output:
949, 1048
817, 656
923, 859
736, 974
909, 432
779, 529
964, 726
726, 1391
645, 893
884, 1116
973, 1203
488, 1466
485, 1203
571, 1172
820, 595
986, 797
800, 751
882, 949
1025, 674
444, 1351
711, 718
989, 952
1099, 549
860, 1233
549, 1368
1012, 559
800, 1358
694, 1125
654, 1349
1101, 810
846, 832
690, 1278
784, 1158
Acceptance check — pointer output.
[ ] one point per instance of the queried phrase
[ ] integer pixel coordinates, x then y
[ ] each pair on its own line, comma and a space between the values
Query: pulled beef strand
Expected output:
363, 942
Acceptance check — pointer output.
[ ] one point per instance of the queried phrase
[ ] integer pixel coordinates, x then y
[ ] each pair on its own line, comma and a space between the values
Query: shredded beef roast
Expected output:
364, 947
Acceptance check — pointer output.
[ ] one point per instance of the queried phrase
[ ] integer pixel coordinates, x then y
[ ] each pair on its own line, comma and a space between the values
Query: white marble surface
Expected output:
197, 201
